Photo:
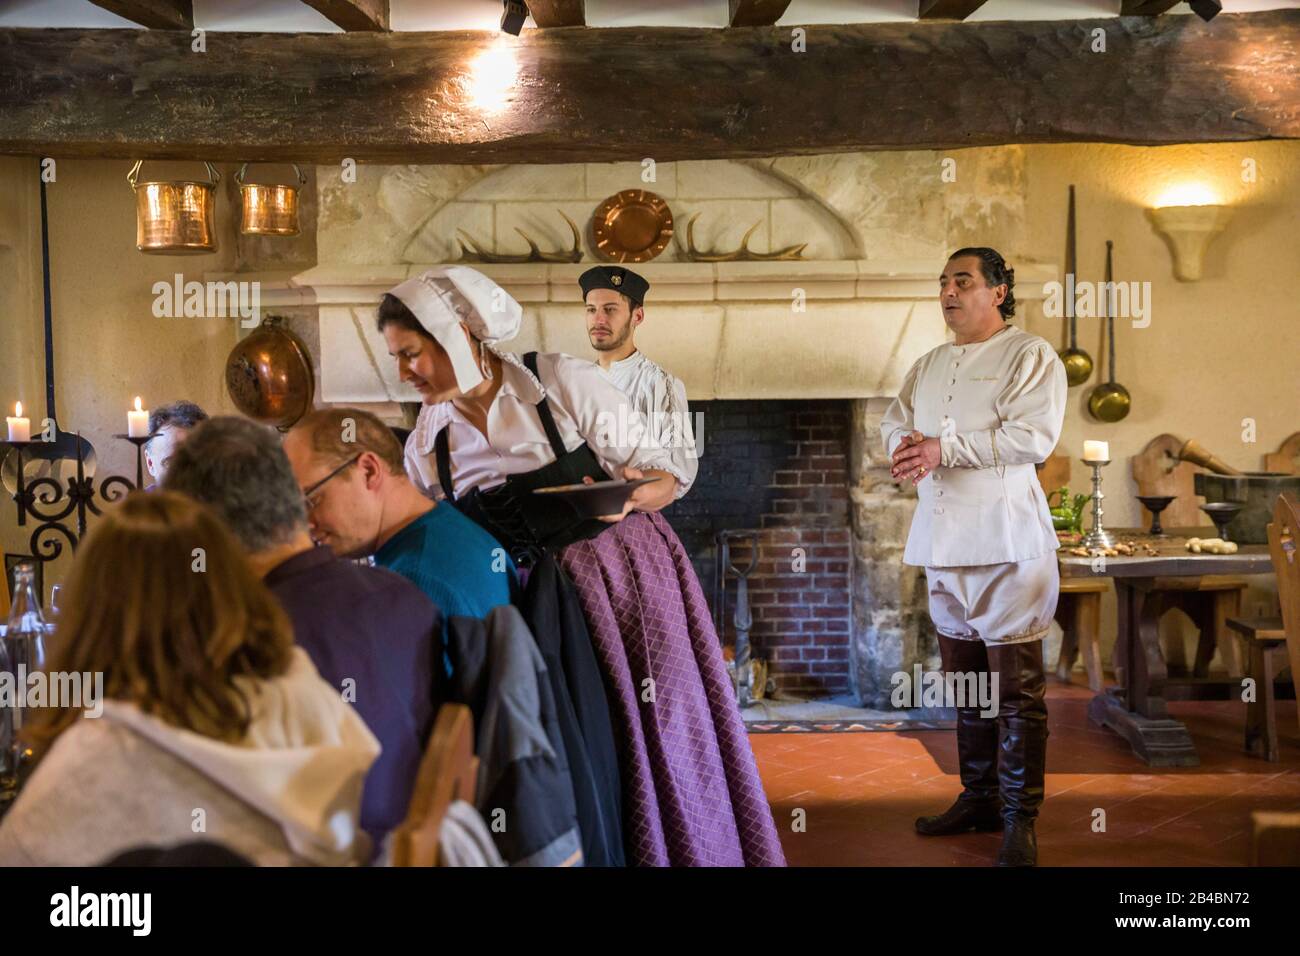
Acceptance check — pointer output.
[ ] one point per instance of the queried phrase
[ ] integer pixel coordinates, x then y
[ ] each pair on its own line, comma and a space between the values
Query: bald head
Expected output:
336, 434
350, 467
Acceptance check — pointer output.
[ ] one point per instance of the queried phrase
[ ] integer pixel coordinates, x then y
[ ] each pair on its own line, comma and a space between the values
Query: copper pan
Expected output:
269, 375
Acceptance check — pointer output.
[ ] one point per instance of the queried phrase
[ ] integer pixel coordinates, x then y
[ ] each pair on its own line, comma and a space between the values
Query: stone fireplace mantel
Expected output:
745, 330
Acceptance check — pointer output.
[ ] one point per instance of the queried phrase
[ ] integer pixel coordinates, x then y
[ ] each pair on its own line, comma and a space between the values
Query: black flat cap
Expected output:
617, 279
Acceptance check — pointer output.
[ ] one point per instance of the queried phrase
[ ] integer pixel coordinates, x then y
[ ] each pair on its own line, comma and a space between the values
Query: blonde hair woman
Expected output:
213, 725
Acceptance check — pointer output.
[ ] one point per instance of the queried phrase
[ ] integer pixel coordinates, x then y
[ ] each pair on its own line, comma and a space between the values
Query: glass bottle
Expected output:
24, 645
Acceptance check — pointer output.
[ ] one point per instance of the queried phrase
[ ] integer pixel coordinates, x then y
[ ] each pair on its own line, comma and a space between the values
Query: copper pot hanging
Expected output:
269, 209
269, 375
175, 217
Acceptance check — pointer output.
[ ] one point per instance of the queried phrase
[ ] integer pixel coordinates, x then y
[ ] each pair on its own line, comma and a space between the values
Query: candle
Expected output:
137, 422
1096, 451
20, 428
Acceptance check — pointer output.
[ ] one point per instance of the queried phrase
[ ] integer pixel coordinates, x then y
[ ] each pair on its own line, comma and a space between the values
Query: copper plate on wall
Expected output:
632, 226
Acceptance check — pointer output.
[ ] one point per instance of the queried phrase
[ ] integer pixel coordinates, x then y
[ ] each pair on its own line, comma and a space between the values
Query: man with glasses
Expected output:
371, 633
360, 502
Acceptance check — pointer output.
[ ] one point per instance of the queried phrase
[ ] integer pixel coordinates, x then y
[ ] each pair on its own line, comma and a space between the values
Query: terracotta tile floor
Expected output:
861, 792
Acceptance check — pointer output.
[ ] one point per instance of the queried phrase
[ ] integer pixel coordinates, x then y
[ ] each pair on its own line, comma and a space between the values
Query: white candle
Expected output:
20, 428
1096, 451
137, 422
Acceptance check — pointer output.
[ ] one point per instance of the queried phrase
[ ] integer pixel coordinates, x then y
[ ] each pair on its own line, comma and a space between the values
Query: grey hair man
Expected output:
370, 632
170, 425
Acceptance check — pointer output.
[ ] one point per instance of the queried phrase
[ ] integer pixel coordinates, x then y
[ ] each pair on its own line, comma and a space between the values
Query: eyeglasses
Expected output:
309, 492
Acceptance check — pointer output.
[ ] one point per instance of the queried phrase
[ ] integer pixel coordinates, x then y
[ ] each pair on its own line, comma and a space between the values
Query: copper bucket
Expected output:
175, 218
269, 209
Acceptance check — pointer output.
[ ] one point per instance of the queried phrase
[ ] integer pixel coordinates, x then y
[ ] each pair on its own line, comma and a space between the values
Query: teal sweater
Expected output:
456, 563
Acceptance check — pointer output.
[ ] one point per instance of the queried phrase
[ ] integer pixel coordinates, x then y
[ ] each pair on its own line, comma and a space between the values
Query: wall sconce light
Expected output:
1188, 222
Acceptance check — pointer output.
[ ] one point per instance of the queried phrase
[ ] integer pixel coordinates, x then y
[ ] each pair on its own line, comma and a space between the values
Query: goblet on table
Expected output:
1156, 504
1222, 513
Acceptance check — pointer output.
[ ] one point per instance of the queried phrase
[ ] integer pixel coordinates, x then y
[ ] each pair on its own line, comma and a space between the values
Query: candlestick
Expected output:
20, 428
1096, 451
137, 422
1098, 537
139, 441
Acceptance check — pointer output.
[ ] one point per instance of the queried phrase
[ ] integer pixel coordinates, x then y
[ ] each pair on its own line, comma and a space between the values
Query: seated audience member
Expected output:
210, 715
360, 502
371, 633
170, 425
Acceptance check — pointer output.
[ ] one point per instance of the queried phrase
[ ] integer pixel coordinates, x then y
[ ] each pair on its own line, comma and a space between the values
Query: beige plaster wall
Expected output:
1216, 352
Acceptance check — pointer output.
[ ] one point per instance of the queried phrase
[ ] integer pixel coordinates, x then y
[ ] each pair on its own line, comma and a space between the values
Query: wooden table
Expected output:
1138, 710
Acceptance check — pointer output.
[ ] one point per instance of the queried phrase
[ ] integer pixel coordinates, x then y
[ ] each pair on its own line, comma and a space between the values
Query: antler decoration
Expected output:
476, 253
743, 253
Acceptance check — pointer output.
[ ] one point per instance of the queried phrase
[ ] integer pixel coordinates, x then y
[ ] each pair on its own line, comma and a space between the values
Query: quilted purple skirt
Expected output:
691, 788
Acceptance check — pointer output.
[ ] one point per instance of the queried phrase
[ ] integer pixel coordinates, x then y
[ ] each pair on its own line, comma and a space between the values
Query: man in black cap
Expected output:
615, 299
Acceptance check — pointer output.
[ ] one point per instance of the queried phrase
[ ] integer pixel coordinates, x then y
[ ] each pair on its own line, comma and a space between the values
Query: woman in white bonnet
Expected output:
640, 659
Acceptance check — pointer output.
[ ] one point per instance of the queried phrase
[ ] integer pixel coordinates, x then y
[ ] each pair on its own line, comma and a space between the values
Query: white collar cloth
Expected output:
660, 399
586, 406
997, 408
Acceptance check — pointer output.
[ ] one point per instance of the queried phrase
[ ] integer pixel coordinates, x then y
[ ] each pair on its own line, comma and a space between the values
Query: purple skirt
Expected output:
691, 788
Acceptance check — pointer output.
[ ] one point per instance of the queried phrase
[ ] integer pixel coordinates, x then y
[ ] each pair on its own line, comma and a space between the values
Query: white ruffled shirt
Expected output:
586, 406
997, 407
660, 398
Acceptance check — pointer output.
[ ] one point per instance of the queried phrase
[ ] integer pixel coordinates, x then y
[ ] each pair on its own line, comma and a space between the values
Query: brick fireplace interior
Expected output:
779, 469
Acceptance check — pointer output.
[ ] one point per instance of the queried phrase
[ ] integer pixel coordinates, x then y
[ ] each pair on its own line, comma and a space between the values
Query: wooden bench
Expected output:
1265, 642
1275, 838
1078, 611
1209, 601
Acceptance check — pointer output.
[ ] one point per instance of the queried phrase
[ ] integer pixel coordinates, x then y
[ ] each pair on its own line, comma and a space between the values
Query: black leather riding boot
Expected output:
977, 808
1022, 746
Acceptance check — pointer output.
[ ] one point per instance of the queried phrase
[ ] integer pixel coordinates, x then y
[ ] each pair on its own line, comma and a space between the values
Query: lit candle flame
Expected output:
18, 409
137, 403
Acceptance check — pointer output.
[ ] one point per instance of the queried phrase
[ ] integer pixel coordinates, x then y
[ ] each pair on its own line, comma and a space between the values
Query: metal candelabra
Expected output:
1098, 537
49, 502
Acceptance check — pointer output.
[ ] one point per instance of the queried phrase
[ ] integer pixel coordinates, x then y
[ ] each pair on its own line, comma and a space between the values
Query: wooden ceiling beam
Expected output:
1146, 8
353, 15
666, 93
154, 14
947, 9
756, 13
548, 14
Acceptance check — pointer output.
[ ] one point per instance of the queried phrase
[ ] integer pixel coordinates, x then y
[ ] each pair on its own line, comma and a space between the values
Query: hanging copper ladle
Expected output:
1109, 401
1078, 363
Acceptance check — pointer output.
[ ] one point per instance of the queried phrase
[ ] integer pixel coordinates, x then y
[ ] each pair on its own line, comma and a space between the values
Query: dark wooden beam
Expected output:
756, 13
364, 15
603, 95
558, 13
1146, 8
154, 14
947, 9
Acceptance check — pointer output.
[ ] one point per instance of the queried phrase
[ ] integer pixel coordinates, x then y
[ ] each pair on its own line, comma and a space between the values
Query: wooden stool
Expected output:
1266, 650
1275, 838
1209, 601
1078, 611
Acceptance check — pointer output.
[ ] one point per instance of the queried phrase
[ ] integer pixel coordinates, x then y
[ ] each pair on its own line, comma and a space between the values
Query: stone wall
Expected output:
891, 624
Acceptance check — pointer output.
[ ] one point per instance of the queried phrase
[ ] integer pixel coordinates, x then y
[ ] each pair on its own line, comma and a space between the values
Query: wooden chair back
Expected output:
1157, 472
1054, 472
448, 771
1283, 542
1286, 459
